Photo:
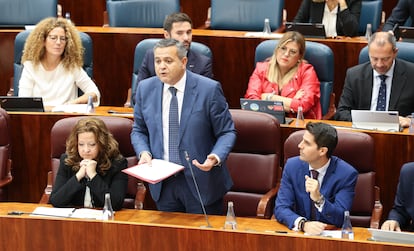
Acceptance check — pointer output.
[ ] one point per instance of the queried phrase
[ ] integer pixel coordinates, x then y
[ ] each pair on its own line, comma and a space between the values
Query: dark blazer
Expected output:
400, 14
357, 90
347, 22
67, 191
197, 63
403, 209
338, 188
206, 127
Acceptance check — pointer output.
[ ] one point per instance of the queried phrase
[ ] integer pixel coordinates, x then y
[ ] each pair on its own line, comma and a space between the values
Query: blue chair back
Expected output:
18, 13
140, 13
317, 54
408, 22
371, 11
245, 15
19, 42
144, 45
405, 52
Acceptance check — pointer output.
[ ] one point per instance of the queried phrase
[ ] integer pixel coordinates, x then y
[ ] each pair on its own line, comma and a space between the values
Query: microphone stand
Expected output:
187, 158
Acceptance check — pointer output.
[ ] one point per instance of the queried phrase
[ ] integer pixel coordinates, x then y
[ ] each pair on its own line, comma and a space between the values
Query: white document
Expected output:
52, 212
70, 108
82, 213
264, 35
158, 171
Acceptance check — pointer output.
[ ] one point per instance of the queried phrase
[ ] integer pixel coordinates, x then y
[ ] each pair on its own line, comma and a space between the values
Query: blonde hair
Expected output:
34, 48
107, 144
273, 73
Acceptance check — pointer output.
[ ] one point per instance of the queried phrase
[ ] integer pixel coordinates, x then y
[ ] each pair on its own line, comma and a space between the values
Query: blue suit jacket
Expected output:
206, 127
403, 209
400, 14
197, 63
338, 188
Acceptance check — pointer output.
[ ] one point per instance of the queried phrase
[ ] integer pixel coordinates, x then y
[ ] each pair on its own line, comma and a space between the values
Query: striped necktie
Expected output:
173, 128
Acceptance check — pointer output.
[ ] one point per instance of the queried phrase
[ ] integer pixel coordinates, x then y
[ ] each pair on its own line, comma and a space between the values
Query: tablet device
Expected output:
391, 236
387, 121
274, 108
22, 104
307, 29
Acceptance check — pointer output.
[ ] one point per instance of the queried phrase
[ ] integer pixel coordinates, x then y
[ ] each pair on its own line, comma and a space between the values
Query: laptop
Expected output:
307, 29
274, 108
391, 236
407, 33
376, 120
21, 104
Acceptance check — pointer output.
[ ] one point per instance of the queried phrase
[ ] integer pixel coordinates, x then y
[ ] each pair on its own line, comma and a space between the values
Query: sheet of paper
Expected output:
71, 108
261, 34
52, 212
87, 213
159, 170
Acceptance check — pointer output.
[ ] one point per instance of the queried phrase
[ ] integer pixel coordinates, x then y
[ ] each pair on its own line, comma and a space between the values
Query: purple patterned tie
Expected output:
315, 175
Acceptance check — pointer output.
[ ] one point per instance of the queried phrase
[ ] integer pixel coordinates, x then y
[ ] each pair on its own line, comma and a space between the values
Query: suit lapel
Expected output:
366, 89
399, 80
190, 96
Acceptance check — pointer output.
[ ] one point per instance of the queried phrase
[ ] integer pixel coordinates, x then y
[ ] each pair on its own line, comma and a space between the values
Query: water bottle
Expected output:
266, 27
411, 128
230, 222
67, 16
140, 196
368, 32
107, 212
89, 107
300, 119
347, 232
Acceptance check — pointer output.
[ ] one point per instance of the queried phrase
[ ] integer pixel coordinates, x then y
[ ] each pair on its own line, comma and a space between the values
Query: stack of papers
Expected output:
70, 108
82, 213
158, 171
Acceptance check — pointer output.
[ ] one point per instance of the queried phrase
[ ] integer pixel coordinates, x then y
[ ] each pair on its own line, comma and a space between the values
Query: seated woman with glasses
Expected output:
287, 77
53, 60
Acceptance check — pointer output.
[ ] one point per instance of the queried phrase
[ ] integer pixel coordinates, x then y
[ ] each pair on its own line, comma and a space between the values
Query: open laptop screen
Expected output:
376, 120
22, 104
307, 29
274, 108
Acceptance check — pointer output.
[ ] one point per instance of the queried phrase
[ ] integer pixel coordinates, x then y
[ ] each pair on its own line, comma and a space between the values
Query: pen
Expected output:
276, 231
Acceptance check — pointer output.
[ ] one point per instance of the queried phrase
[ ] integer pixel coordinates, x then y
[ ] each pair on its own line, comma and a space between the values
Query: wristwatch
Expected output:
319, 202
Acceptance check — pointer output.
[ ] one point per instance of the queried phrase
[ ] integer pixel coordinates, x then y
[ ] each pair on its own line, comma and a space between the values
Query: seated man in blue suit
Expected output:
316, 187
401, 215
180, 115
177, 26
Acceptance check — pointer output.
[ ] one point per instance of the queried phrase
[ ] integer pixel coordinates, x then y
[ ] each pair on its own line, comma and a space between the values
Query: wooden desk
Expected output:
233, 59
153, 230
31, 154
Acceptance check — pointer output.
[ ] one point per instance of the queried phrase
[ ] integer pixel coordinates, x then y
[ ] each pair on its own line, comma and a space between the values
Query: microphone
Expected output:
187, 158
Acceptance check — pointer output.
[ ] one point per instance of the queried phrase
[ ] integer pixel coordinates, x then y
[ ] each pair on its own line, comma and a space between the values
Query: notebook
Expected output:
376, 120
307, 29
274, 108
391, 236
21, 104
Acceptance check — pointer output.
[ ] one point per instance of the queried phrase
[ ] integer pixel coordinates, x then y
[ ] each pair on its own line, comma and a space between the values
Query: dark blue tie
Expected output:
382, 94
173, 128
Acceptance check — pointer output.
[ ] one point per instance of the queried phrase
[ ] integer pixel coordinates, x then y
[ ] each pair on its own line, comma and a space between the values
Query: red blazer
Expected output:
305, 79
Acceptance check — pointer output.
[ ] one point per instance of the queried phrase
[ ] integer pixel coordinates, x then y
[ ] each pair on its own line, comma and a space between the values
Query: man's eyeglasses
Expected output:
55, 38
291, 52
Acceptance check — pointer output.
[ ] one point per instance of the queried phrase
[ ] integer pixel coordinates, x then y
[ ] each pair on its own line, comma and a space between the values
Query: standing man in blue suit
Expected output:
206, 132
307, 201
177, 26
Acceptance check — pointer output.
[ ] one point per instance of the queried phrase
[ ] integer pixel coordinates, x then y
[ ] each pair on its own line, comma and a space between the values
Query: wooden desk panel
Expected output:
31, 154
152, 230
